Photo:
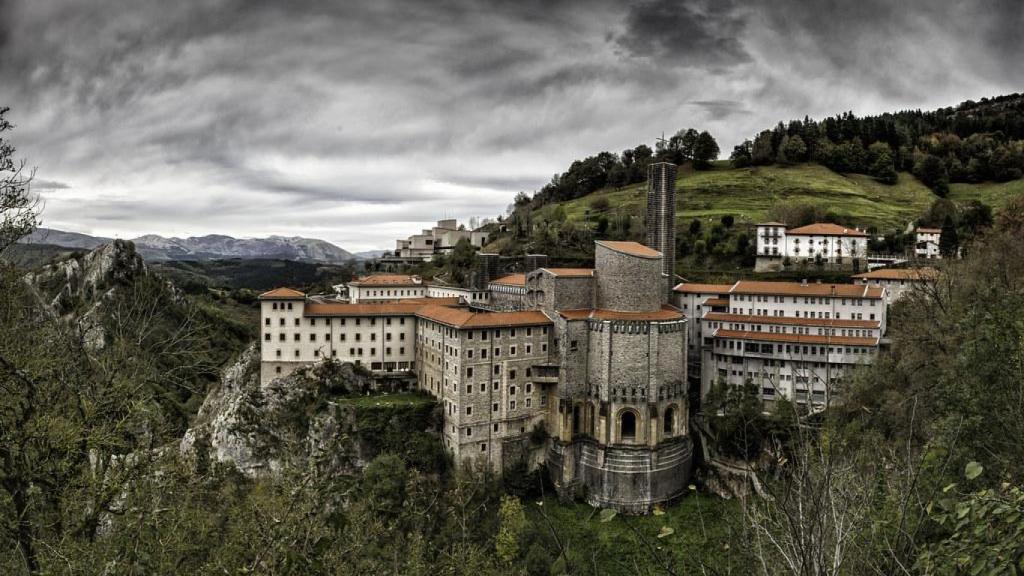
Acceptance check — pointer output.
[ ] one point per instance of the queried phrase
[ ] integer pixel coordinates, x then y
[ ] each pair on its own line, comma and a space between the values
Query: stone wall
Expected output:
630, 479
627, 283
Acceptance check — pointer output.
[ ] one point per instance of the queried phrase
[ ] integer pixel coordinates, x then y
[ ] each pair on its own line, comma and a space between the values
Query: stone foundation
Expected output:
630, 479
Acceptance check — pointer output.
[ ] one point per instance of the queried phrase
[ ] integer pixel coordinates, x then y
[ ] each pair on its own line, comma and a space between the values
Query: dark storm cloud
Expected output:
685, 33
359, 121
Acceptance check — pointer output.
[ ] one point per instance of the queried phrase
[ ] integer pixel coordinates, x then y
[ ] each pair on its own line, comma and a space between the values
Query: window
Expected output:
297, 336
296, 321
469, 372
266, 337
469, 410
511, 374
512, 349
278, 368
266, 322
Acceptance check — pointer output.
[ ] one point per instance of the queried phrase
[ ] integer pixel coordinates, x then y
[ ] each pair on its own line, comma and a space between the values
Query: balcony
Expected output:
544, 373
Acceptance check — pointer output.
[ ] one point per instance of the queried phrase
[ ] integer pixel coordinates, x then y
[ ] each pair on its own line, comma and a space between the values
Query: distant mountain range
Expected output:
214, 246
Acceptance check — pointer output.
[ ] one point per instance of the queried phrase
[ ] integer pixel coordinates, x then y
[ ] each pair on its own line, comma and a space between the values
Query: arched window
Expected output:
627, 425
670, 417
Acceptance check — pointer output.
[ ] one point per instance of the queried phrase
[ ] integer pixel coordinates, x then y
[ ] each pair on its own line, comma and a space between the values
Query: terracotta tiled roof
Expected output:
796, 338
809, 289
570, 272
825, 229
791, 321
511, 280
716, 302
929, 230
694, 288
282, 294
388, 280
631, 248
371, 309
465, 318
666, 314
406, 307
900, 274
771, 224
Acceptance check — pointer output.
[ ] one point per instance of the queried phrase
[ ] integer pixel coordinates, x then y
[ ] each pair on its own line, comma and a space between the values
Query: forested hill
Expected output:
972, 142
969, 143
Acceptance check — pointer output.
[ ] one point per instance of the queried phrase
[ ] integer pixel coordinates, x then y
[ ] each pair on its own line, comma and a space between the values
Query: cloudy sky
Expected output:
360, 121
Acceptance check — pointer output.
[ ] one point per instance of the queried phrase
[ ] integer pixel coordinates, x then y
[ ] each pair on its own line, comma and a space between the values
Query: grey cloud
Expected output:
209, 116
690, 33
40, 184
721, 108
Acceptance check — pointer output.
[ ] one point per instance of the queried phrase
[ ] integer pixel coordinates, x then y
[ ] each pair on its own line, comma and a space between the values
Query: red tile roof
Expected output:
511, 280
929, 230
666, 314
900, 274
796, 338
388, 280
465, 318
371, 309
570, 272
631, 248
406, 307
695, 288
716, 302
282, 294
825, 229
809, 289
791, 321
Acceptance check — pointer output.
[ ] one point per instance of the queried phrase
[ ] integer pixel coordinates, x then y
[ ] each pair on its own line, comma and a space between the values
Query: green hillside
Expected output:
748, 194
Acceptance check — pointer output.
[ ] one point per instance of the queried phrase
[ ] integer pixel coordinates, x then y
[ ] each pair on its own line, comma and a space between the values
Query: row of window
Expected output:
327, 337
351, 352
763, 348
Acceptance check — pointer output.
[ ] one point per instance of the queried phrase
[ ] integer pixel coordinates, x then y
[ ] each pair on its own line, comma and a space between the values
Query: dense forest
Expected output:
972, 142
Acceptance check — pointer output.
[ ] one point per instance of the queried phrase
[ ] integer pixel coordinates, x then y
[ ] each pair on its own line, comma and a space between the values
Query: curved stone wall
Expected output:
630, 479
627, 283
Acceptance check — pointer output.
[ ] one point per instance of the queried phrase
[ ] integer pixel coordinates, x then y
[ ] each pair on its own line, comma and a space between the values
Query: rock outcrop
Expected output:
298, 421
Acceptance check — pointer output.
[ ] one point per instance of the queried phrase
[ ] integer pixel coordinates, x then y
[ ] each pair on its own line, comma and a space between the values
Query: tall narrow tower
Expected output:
661, 218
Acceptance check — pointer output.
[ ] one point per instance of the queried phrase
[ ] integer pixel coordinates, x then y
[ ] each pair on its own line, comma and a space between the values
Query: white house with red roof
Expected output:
822, 242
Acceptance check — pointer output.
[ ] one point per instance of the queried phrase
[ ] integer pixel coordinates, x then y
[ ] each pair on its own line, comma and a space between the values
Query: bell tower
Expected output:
661, 219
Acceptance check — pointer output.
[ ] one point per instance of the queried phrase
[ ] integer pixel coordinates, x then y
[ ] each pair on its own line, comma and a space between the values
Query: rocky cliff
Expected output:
310, 418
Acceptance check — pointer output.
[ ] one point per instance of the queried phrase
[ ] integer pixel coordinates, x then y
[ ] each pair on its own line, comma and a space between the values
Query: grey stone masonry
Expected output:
661, 218
627, 283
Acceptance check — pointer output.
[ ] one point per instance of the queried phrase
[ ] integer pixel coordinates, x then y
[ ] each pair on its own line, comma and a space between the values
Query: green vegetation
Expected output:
749, 194
698, 533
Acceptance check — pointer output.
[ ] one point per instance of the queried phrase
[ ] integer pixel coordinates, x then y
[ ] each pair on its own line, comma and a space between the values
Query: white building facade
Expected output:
927, 243
793, 340
824, 242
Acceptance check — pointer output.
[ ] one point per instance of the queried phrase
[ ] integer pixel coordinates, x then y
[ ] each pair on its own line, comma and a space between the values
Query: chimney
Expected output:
803, 282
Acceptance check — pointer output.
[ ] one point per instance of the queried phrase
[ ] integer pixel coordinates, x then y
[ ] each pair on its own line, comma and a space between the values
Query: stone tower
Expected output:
661, 218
